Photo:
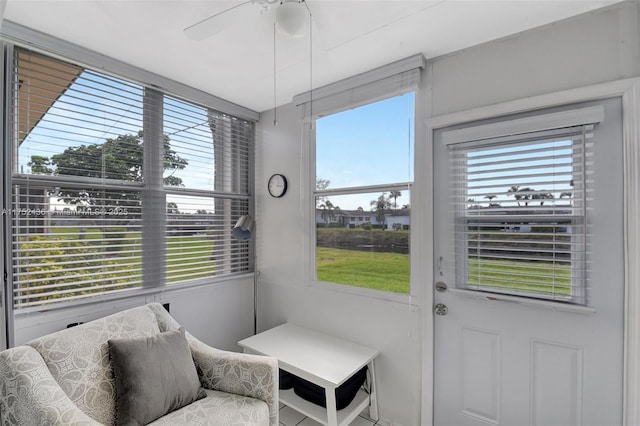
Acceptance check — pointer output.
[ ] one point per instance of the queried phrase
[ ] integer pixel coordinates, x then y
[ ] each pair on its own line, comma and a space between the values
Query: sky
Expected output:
368, 145
95, 108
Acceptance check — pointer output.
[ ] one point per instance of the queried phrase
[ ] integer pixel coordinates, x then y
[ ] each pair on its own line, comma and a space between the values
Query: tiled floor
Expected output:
290, 417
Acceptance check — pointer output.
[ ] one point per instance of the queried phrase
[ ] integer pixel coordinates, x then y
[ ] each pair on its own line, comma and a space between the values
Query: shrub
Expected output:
40, 263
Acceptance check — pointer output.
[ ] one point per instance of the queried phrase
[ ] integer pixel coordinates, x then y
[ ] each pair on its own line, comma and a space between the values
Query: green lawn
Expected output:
380, 271
185, 254
520, 276
188, 257
390, 272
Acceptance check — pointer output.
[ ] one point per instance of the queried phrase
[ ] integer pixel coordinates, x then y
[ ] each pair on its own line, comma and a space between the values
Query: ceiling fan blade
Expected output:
214, 24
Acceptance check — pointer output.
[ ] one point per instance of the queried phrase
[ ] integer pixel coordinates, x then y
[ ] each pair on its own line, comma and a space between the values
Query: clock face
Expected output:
277, 185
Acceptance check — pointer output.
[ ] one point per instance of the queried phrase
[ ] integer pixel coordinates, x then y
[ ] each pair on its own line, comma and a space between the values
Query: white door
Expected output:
540, 344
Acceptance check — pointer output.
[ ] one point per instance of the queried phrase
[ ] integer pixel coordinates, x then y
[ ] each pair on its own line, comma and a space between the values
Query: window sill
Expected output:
130, 294
402, 298
536, 303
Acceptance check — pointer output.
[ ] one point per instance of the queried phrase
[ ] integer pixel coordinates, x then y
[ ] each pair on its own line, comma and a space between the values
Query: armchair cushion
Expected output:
153, 376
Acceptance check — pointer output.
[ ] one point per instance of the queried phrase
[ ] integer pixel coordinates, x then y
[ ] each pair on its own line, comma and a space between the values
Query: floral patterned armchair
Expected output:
66, 377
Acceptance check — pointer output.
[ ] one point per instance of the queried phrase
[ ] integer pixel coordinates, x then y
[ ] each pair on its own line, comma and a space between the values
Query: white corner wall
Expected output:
285, 291
593, 48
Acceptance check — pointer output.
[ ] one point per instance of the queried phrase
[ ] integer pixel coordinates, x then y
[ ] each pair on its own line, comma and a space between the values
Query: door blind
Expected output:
521, 206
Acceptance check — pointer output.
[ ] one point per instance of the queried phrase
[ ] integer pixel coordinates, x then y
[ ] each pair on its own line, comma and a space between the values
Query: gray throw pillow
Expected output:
153, 376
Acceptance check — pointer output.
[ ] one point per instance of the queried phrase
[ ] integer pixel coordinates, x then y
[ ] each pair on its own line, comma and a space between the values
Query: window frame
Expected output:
309, 136
381, 83
152, 124
513, 132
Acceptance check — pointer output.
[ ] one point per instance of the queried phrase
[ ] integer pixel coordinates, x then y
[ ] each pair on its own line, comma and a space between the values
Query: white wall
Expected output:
219, 314
589, 49
285, 290
593, 48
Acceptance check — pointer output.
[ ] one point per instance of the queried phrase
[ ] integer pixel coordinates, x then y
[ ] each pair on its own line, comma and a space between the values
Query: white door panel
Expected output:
520, 361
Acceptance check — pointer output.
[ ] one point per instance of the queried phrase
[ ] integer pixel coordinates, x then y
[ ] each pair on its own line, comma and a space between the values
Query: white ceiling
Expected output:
237, 64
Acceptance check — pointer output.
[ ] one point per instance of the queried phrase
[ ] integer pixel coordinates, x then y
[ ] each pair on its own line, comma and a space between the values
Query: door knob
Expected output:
441, 309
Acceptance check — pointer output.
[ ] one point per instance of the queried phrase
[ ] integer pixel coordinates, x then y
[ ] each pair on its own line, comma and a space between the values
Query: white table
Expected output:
322, 359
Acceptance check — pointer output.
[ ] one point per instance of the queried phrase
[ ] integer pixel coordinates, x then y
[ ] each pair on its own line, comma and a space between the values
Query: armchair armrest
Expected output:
29, 395
243, 374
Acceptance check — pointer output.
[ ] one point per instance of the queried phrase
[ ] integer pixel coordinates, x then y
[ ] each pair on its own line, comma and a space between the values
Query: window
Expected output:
521, 209
364, 166
116, 186
212, 190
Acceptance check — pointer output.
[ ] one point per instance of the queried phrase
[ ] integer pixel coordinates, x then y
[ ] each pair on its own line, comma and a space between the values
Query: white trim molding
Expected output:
631, 170
629, 91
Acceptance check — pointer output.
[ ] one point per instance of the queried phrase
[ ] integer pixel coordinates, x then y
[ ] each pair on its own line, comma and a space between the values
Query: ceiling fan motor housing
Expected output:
292, 18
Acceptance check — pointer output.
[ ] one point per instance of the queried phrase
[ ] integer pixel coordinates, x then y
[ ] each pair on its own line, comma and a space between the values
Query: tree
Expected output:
380, 207
172, 208
528, 194
491, 197
542, 196
117, 159
521, 194
321, 184
327, 211
395, 195
40, 165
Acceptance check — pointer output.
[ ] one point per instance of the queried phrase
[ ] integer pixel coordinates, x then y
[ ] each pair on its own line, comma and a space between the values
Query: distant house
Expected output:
394, 218
398, 219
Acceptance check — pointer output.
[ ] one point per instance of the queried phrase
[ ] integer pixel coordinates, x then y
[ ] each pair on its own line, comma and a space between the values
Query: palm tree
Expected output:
542, 196
327, 211
491, 197
395, 195
380, 205
521, 194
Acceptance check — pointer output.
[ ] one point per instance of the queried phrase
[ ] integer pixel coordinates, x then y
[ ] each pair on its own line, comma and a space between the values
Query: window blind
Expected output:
521, 205
76, 182
387, 81
211, 192
117, 186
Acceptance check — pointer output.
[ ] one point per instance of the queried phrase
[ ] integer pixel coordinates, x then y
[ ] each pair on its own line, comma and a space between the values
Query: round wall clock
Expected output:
277, 185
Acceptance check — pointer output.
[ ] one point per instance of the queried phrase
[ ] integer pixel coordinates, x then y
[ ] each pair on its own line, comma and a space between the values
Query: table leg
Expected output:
332, 413
373, 405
